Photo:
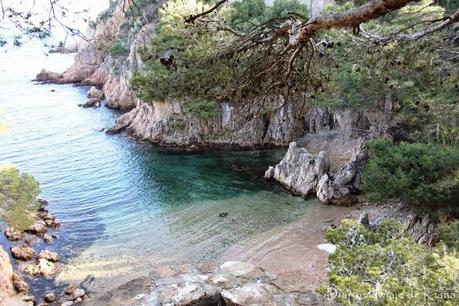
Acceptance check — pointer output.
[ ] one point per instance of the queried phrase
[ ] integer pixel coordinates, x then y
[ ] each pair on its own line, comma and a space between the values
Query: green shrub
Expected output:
423, 175
382, 267
449, 234
204, 110
118, 49
18, 197
246, 15
179, 60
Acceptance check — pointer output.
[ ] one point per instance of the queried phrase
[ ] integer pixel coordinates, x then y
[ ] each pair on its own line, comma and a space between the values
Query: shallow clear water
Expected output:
126, 206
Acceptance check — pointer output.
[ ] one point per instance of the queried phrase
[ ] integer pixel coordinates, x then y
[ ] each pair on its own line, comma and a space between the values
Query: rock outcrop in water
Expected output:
309, 175
95, 65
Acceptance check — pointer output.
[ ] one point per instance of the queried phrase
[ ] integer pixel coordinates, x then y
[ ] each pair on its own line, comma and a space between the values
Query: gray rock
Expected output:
77, 293
50, 297
309, 175
48, 255
13, 234
237, 268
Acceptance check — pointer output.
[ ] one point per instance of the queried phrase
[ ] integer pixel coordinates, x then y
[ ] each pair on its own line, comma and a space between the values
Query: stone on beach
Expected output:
77, 293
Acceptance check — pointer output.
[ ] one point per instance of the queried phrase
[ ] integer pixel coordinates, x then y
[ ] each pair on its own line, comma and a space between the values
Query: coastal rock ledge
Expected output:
309, 175
232, 283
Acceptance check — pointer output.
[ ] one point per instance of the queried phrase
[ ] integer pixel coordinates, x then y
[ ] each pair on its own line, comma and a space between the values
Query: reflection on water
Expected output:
126, 206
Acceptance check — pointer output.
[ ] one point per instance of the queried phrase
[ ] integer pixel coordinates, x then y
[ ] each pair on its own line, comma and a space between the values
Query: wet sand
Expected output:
291, 251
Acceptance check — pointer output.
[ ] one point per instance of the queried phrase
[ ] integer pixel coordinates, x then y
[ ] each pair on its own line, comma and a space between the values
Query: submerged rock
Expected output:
48, 238
237, 268
48, 255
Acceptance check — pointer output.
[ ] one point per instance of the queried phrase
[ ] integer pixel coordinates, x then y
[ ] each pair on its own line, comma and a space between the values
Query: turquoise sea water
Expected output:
126, 206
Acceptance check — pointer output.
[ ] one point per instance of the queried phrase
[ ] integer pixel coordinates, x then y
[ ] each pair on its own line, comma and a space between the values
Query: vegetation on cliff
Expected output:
426, 176
18, 197
382, 266
248, 53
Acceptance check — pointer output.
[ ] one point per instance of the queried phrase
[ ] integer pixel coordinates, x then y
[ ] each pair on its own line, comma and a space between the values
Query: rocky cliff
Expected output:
96, 64
332, 175
9, 294
312, 175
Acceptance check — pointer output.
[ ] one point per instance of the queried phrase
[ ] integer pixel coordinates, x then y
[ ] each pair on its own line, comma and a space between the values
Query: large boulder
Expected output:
11, 284
95, 93
299, 170
38, 228
13, 234
24, 253
309, 175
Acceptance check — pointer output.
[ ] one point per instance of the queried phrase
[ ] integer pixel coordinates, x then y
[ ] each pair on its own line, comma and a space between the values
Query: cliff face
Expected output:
167, 123
335, 132
95, 65
8, 293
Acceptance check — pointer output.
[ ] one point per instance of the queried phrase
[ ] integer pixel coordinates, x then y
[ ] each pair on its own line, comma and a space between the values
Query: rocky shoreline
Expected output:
31, 264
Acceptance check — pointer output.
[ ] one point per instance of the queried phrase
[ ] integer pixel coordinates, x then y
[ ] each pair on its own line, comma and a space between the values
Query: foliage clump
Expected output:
18, 197
118, 49
382, 266
182, 61
179, 66
425, 176
246, 15
449, 235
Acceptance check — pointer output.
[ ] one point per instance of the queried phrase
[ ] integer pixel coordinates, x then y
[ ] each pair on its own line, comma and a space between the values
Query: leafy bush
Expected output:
204, 110
449, 234
423, 175
118, 49
182, 59
382, 267
246, 15
180, 62
18, 197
